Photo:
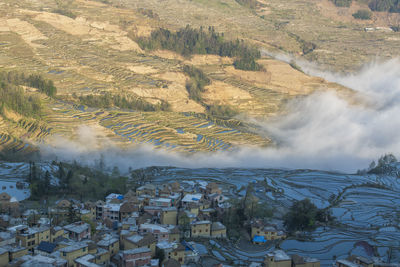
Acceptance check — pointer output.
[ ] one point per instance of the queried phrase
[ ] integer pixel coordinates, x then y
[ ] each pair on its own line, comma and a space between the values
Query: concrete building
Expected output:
136, 257
277, 258
201, 229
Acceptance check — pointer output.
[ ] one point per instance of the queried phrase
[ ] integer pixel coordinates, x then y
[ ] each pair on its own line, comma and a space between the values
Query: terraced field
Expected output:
94, 52
186, 132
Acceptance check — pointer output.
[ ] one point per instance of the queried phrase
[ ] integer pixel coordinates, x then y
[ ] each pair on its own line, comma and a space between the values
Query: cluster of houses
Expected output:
139, 228
151, 226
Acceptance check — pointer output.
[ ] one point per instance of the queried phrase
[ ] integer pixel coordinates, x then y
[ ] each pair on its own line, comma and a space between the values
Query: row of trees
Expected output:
198, 80
342, 3
188, 41
385, 5
375, 5
76, 181
109, 100
13, 97
33, 80
305, 216
195, 87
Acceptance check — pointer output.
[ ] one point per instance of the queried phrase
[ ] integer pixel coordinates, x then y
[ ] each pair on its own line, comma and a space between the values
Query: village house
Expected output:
127, 209
99, 209
147, 189
160, 202
74, 251
191, 199
3, 256
174, 234
201, 229
30, 237
136, 257
57, 232
78, 231
218, 230
277, 258
86, 261
138, 241
213, 188
109, 243
45, 248
178, 254
161, 233
15, 252
169, 216
261, 233
359, 261
8, 204
102, 256
111, 211
299, 261
363, 261
39, 260
152, 210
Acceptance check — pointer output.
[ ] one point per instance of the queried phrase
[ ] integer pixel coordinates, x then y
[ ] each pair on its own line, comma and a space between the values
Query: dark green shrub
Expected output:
363, 14
342, 3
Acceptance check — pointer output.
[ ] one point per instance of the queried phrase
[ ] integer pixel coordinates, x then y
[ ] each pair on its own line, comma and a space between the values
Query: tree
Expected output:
71, 214
68, 179
46, 182
160, 255
363, 14
301, 216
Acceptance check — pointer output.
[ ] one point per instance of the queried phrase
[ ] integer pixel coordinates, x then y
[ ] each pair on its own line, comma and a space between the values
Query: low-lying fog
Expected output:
321, 131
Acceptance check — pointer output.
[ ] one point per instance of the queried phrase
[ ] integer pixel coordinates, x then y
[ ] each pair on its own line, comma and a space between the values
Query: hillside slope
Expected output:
90, 48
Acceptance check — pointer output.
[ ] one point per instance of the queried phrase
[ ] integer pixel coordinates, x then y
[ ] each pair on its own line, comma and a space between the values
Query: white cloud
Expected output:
321, 131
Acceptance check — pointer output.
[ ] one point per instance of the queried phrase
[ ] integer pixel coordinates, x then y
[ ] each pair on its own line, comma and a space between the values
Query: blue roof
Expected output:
259, 239
47, 246
121, 197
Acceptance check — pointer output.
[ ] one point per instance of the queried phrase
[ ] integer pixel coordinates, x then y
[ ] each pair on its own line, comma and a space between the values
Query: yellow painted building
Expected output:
102, 257
178, 254
70, 253
218, 230
109, 243
201, 229
17, 252
57, 232
3, 257
174, 235
138, 241
169, 216
31, 237
268, 232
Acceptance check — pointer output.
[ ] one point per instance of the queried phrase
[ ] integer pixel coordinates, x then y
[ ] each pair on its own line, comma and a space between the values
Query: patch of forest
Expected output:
189, 41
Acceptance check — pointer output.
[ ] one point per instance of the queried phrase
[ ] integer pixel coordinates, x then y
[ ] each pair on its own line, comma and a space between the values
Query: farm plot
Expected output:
168, 130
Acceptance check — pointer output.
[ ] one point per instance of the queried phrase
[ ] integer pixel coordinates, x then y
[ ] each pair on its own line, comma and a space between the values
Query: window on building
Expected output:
64, 254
